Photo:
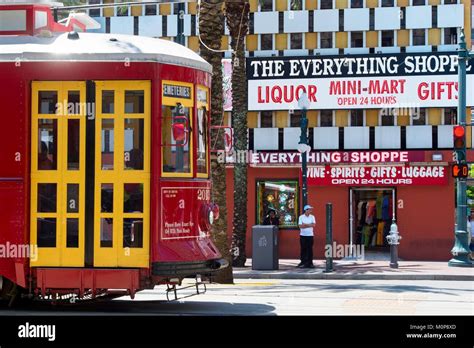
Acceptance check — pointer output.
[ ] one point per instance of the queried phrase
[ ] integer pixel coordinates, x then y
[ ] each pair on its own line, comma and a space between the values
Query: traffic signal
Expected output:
459, 137
459, 140
460, 171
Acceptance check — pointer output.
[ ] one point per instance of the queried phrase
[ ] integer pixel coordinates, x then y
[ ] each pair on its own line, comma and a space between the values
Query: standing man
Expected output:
306, 223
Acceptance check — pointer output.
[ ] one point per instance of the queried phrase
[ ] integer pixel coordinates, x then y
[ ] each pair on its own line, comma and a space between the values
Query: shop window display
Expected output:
373, 217
281, 196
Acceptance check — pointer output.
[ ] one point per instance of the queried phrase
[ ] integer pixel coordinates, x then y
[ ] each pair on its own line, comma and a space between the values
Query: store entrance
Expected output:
371, 214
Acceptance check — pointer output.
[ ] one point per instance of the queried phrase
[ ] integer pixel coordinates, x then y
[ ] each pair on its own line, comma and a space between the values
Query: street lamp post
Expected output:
303, 147
460, 250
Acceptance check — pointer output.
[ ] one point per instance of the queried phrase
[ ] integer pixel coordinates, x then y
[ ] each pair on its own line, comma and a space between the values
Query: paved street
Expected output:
290, 297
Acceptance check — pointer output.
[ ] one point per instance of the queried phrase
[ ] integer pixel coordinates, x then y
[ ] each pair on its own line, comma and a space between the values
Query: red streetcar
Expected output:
104, 159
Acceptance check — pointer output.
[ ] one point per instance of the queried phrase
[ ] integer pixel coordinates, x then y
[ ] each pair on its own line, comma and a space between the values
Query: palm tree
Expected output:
237, 18
211, 29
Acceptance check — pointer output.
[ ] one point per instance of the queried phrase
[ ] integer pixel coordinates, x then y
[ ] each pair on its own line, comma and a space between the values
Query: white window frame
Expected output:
364, 4
185, 8
129, 12
259, 123
333, 40
144, 10
394, 4
260, 42
427, 115
332, 8
411, 37
443, 36
395, 117
333, 119
411, 3
303, 39
290, 112
303, 6
456, 3
100, 9
394, 38
443, 113
364, 118
364, 43
259, 7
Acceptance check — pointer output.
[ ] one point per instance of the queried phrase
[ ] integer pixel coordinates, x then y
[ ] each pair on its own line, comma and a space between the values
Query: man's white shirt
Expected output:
308, 231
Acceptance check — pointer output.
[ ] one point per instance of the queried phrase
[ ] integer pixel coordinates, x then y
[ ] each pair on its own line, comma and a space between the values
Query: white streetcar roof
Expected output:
98, 47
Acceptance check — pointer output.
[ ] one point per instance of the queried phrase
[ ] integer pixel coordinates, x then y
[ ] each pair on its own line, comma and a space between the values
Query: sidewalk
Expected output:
368, 269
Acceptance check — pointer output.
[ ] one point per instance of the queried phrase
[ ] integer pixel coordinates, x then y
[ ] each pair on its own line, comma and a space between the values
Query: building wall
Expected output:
425, 216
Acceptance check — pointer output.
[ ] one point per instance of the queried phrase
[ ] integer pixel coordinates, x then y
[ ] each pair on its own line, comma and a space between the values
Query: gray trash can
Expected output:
265, 247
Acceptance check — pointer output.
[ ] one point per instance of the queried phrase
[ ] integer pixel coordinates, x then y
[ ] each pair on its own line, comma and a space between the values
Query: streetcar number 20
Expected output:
204, 195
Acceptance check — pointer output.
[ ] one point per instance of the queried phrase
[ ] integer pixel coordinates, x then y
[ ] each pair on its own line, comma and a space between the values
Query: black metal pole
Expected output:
304, 168
329, 265
180, 38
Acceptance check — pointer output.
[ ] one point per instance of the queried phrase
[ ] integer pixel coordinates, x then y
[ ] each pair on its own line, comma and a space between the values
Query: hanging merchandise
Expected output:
372, 217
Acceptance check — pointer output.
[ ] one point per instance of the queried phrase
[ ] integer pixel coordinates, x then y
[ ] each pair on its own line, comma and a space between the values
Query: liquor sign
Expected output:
377, 175
356, 81
322, 157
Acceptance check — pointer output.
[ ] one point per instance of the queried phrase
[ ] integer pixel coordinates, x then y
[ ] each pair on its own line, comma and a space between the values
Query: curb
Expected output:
342, 276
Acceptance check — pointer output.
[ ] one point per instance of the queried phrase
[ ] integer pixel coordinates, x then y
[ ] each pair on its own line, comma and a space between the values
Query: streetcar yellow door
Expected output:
122, 180
58, 173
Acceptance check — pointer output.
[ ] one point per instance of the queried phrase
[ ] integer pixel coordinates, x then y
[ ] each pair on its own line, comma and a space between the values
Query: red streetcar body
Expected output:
167, 231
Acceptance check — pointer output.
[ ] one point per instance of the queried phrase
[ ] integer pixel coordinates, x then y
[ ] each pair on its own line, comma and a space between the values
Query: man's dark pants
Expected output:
306, 243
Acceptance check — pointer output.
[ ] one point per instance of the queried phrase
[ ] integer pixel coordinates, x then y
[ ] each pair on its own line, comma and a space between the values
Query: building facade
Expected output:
375, 161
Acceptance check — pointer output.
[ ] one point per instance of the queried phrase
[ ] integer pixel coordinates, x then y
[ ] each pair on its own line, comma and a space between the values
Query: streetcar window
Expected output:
107, 144
72, 198
47, 102
134, 143
73, 144
47, 194
176, 154
74, 102
47, 144
202, 141
134, 102
46, 228
133, 198
106, 232
72, 233
108, 102
107, 198
133, 233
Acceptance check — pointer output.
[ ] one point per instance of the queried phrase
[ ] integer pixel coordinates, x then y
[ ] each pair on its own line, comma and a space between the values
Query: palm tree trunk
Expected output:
211, 29
237, 15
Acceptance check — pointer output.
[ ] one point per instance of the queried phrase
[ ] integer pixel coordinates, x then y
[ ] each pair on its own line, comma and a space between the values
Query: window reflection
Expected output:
202, 141
132, 233
280, 196
106, 232
107, 144
134, 143
73, 144
46, 229
108, 102
47, 144
47, 102
133, 198
134, 102
72, 233
47, 194
176, 154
